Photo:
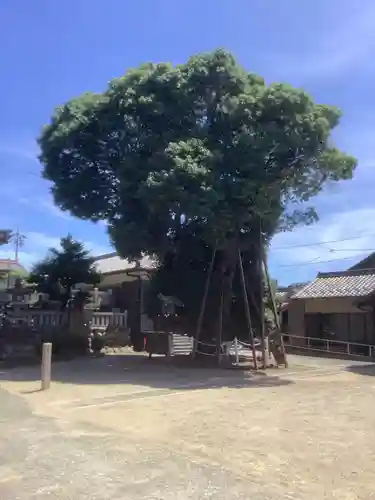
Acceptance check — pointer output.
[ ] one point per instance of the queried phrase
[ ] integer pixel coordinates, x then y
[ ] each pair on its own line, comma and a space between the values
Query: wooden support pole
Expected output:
261, 294
141, 305
274, 309
247, 309
203, 304
46, 366
219, 336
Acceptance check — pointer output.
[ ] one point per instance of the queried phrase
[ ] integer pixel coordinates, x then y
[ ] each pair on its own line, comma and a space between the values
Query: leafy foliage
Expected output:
201, 146
183, 274
63, 268
189, 158
65, 344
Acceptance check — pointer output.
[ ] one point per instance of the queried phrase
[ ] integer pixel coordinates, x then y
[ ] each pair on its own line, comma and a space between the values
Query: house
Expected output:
336, 306
122, 281
10, 271
115, 271
283, 295
118, 288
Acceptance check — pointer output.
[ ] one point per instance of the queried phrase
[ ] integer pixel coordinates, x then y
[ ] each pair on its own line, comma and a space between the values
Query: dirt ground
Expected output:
307, 432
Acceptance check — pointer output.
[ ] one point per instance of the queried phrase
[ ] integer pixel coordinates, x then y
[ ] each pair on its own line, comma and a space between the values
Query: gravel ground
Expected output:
130, 429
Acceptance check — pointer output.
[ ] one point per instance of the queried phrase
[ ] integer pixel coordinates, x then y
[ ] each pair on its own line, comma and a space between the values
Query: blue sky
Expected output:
53, 51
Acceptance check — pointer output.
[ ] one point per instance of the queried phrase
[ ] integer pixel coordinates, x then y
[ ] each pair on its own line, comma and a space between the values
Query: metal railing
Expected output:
329, 346
233, 348
181, 344
200, 343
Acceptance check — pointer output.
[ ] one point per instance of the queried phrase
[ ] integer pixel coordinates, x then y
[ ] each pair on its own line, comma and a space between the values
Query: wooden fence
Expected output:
44, 319
102, 320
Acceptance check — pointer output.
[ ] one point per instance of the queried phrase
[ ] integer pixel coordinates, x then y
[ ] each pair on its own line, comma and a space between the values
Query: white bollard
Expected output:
236, 351
170, 345
46, 365
267, 351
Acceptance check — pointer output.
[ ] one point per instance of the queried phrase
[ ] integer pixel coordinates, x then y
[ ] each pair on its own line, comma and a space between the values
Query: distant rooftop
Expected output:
12, 266
366, 263
284, 293
112, 263
351, 283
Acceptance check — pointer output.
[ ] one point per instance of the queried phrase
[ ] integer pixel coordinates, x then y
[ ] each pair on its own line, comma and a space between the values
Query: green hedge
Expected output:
64, 343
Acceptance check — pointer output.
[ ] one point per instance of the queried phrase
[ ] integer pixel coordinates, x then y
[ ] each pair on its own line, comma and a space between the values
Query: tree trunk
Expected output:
230, 261
216, 318
134, 319
221, 293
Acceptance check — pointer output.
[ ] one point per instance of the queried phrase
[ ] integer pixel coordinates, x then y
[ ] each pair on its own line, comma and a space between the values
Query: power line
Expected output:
313, 262
304, 245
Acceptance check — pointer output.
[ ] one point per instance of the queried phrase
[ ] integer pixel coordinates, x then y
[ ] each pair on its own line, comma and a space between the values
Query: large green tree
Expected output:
202, 150
62, 269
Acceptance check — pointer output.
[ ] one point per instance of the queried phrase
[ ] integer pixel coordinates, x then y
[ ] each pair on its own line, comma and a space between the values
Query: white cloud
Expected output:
52, 209
336, 238
349, 39
37, 245
26, 150
96, 250
41, 240
27, 259
45, 204
351, 42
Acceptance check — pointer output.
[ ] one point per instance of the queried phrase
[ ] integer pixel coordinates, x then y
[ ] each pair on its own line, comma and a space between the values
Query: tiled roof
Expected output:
341, 284
285, 293
281, 296
11, 265
111, 263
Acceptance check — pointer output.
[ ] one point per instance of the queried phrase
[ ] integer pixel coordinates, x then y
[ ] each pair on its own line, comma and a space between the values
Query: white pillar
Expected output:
236, 350
46, 365
170, 344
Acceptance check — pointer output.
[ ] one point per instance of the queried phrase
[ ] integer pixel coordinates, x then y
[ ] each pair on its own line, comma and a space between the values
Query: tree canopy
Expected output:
200, 148
62, 269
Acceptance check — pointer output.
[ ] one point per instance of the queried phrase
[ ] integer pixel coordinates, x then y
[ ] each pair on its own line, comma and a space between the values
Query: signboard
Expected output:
5, 235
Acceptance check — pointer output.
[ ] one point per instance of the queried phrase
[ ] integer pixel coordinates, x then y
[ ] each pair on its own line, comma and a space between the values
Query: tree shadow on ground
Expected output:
368, 370
138, 370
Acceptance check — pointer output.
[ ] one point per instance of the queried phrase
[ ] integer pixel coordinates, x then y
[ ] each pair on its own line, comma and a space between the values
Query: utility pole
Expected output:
19, 240
8, 274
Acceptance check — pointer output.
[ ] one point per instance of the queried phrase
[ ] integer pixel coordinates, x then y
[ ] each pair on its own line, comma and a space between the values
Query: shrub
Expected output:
64, 343
97, 343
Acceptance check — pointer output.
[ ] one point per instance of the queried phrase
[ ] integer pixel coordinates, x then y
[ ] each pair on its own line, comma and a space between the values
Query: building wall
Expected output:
331, 305
126, 295
112, 280
347, 322
6, 282
296, 318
